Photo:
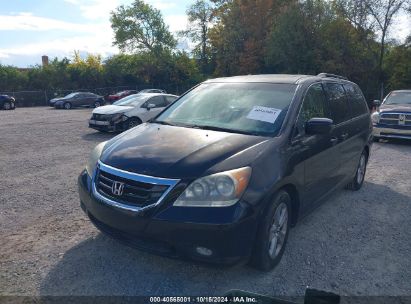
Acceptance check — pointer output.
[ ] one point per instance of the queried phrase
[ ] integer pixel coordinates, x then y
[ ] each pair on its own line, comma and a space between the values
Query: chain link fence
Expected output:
37, 98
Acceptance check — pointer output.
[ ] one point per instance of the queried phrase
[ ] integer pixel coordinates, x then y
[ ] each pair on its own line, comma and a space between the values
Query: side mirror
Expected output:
376, 103
150, 106
318, 126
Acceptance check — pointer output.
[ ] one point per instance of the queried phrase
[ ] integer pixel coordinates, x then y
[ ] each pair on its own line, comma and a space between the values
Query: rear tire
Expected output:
359, 177
97, 104
273, 232
67, 106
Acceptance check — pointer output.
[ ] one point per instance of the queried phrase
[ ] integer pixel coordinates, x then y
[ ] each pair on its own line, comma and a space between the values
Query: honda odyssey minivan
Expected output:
224, 172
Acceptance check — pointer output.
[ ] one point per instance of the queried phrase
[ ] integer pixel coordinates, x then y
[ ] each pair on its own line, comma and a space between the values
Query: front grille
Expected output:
393, 119
135, 193
102, 117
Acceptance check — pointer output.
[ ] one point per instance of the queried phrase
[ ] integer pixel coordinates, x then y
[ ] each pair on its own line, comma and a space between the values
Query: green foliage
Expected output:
10, 77
398, 67
140, 27
233, 37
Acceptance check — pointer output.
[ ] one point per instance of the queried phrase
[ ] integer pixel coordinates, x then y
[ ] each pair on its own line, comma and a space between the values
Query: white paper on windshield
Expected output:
264, 114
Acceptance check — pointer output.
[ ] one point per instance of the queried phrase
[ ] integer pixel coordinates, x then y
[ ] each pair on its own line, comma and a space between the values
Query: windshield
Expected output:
125, 100
398, 98
250, 108
132, 100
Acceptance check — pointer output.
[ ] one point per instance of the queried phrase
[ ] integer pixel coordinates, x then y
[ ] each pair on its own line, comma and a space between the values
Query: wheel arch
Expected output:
295, 201
294, 194
367, 150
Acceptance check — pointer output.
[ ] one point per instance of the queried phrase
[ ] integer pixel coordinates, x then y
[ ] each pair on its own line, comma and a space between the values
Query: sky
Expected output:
30, 29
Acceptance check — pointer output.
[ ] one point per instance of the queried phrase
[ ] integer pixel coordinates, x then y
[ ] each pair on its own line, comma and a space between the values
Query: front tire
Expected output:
132, 122
273, 232
7, 105
67, 106
359, 177
97, 104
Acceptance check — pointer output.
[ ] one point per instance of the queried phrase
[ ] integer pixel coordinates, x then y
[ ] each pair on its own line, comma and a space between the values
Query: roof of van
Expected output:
270, 78
402, 91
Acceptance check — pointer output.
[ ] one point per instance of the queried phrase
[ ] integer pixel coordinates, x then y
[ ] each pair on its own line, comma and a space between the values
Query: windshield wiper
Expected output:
213, 128
162, 122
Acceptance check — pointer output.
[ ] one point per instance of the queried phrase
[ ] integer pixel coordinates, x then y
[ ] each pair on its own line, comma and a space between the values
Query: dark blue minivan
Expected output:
224, 172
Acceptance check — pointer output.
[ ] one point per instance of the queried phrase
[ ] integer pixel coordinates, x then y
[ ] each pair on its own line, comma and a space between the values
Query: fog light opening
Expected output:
204, 251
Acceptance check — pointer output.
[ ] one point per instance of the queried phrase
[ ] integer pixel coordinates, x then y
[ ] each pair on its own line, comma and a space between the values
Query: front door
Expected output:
318, 152
159, 102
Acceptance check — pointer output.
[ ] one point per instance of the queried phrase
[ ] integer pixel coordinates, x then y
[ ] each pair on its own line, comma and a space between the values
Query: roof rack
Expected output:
324, 75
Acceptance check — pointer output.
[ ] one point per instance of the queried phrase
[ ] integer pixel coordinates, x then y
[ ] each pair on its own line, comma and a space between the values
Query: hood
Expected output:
175, 152
395, 108
111, 109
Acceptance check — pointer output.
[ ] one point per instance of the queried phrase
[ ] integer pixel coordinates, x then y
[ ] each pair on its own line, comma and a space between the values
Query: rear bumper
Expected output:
386, 132
163, 233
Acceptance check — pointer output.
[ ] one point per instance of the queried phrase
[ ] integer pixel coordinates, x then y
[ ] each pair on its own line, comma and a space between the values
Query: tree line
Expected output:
233, 37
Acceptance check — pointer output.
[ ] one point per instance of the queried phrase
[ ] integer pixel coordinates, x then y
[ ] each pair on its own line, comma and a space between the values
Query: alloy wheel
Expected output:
278, 230
7, 106
132, 124
361, 169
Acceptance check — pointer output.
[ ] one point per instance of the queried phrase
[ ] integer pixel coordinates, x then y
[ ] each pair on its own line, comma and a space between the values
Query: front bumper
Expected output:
107, 126
402, 132
176, 231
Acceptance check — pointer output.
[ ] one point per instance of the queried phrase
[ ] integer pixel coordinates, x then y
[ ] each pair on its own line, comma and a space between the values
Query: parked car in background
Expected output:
120, 95
7, 102
130, 111
152, 91
393, 117
78, 99
224, 172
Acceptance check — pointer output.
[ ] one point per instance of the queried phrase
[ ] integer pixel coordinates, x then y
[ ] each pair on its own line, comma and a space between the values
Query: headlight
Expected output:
218, 190
375, 117
118, 117
94, 157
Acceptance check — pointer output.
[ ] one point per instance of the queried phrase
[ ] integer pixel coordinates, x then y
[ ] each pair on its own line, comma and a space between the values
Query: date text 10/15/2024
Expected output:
204, 299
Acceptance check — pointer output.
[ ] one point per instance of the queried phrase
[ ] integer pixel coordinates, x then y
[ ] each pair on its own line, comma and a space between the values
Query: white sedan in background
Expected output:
130, 111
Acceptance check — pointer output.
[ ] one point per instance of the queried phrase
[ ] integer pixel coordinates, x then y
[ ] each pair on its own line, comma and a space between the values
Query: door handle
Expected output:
334, 140
344, 136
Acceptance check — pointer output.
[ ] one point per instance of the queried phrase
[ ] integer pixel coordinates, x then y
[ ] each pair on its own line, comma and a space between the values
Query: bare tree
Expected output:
200, 14
383, 12
356, 11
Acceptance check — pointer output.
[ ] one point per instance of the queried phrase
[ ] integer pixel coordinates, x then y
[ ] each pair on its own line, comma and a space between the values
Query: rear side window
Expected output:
158, 101
170, 99
314, 105
356, 99
338, 102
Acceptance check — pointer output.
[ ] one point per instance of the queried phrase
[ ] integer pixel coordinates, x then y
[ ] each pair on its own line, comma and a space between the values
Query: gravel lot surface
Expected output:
357, 243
